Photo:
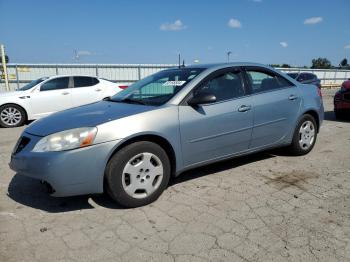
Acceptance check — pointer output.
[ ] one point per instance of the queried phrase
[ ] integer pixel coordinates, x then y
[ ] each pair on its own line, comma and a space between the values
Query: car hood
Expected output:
85, 116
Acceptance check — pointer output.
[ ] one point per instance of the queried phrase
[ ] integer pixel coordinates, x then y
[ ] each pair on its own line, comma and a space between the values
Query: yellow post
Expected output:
3, 58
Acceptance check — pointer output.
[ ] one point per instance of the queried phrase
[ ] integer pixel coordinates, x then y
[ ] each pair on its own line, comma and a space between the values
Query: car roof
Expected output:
56, 76
224, 65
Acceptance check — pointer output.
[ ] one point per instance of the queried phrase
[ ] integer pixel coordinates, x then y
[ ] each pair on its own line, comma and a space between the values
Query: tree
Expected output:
286, 66
344, 63
321, 63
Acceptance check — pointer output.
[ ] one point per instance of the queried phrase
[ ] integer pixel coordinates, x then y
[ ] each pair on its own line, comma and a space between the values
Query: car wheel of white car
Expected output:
305, 136
12, 116
138, 174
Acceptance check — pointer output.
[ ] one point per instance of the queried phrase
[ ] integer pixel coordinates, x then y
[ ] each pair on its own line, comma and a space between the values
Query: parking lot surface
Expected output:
264, 207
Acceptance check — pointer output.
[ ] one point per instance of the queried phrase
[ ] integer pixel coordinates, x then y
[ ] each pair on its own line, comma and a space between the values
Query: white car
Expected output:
47, 95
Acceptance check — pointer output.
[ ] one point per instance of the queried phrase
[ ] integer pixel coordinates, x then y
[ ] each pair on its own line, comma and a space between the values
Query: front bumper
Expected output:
71, 172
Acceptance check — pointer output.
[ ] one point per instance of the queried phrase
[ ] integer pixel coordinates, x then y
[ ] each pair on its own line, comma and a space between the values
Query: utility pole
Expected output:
3, 62
228, 56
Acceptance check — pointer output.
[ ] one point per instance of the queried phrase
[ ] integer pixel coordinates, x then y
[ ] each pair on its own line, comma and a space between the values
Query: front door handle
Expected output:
65, 93
292, 97
244, 108
98, 89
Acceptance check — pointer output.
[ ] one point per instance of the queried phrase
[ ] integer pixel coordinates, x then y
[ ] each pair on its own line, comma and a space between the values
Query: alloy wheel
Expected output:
10, 116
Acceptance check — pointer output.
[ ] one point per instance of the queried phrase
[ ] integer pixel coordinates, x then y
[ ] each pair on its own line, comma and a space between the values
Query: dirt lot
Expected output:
265, 207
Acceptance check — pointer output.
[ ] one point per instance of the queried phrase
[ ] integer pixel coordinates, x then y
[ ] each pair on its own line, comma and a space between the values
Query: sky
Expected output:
156, 31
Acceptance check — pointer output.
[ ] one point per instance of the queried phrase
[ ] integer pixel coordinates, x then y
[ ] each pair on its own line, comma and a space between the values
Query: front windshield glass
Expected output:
32, 84
158, 88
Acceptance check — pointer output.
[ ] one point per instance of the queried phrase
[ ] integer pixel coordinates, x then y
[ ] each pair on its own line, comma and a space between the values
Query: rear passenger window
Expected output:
265, 81
226, 86
84, 81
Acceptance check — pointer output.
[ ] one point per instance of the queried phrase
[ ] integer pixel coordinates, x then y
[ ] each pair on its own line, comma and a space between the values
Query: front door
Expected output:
54, 95
219, 129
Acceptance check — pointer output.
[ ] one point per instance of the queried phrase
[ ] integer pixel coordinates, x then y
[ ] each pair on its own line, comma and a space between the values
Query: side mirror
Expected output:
202, 98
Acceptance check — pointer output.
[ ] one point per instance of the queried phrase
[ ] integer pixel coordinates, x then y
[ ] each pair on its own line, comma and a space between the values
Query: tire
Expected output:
300, 139
133, 175
12, 115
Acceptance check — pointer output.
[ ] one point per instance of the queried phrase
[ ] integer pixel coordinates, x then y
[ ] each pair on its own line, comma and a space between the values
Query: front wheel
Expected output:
304, 137
12, 116
138, 174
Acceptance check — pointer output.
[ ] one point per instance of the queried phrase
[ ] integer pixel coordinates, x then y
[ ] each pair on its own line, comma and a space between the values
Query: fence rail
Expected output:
21, 74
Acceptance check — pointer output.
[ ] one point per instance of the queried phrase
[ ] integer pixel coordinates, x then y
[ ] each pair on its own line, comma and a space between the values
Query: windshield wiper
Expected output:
125, 100
132, 101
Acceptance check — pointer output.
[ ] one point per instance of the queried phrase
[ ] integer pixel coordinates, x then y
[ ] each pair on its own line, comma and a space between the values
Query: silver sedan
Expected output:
131, 144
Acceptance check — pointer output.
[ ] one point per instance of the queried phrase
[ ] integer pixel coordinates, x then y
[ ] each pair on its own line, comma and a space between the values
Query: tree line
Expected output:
320, 63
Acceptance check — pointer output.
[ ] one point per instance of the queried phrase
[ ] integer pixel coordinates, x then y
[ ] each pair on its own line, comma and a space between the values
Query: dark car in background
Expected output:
342, 101
306, 78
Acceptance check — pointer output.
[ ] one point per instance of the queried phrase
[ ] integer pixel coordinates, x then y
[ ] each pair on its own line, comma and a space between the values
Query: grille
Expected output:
22, 143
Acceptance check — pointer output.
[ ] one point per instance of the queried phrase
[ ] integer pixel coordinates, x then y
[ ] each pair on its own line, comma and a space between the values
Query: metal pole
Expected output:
4, 67
56, 69
139, 71
17, 76
96, 70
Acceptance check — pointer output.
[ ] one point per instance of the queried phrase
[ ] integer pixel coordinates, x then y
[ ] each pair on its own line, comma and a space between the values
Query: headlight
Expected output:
66, 140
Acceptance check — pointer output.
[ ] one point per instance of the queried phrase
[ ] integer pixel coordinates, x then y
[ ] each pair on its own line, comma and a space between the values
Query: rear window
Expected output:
84, 81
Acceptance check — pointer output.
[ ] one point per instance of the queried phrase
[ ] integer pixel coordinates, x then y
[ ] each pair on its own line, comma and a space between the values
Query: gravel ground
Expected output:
264, 207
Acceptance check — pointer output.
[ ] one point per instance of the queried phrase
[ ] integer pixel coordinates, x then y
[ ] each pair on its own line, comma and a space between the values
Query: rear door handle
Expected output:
65, 93
292, 97
244, 108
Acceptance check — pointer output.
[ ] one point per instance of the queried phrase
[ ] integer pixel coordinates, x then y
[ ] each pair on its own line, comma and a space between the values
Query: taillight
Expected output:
319, 92
123, 87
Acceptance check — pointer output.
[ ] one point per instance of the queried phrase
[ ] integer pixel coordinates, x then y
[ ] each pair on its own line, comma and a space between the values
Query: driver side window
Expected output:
55, 84
224, 87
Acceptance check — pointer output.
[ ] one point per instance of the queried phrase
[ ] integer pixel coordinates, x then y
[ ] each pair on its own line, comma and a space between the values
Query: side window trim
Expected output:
265, 71
71, 82
212, 76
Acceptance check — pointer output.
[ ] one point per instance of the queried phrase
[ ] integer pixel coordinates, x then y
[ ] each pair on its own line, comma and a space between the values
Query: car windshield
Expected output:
293, 75
158, 88
32, 84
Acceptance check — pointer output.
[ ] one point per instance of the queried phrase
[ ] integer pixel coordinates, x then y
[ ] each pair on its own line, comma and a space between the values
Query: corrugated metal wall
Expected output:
20, 74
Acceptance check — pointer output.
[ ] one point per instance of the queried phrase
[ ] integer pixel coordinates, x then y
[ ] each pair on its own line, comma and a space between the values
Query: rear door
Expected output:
212, 131
86, 90
54, 95
276, 103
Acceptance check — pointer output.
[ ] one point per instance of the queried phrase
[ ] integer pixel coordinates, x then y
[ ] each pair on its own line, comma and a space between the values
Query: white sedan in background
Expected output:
47, 95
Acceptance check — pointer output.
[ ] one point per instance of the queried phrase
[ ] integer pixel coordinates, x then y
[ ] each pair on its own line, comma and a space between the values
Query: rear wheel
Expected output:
12, 116
304, 137
138, 174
